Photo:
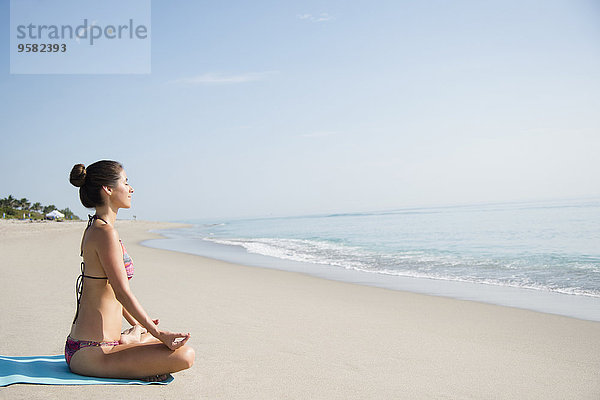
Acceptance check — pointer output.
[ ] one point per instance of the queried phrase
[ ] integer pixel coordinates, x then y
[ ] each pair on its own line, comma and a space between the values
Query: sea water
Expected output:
543, 256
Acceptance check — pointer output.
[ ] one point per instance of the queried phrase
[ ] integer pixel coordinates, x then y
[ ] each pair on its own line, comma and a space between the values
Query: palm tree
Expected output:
24, 204
11, 201
49, 208
68, 213
37, 206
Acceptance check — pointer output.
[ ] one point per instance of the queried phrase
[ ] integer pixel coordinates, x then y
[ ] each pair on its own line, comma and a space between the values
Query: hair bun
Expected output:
77, 177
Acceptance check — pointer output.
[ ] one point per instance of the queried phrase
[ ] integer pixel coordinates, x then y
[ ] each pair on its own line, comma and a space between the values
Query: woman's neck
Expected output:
107, 214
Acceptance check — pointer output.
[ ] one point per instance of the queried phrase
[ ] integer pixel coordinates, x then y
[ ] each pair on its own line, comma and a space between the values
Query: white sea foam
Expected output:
417, 264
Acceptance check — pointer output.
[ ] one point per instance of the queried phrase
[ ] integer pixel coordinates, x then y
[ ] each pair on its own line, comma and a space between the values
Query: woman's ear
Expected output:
107, 190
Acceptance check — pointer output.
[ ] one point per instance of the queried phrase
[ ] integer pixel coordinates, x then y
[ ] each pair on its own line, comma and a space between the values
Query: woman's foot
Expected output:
156, 378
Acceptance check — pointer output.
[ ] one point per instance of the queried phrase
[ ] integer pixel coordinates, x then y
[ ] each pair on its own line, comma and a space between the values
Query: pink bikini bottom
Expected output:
73, 345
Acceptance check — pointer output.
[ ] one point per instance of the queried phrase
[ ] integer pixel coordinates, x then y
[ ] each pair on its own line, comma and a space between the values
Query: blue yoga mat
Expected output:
53, 370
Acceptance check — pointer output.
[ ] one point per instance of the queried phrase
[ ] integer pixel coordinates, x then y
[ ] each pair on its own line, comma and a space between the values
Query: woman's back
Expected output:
99, 316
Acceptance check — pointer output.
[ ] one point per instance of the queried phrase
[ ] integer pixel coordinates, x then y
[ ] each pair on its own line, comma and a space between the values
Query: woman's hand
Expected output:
173, 340
135, 333
132, 335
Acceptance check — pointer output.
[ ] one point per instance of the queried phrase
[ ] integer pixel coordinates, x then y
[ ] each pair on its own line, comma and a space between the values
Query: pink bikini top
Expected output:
127, 261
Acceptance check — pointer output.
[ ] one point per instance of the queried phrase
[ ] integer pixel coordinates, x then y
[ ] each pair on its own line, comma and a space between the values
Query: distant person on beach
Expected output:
96, 346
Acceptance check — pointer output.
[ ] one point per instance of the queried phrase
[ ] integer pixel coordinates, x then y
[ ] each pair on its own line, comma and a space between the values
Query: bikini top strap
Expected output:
91, 219
95, 217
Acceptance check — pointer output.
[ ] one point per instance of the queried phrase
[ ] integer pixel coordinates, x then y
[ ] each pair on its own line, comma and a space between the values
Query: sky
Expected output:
271, 108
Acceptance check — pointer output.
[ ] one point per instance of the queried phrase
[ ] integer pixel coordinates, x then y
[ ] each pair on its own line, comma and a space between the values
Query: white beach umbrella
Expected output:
55, 214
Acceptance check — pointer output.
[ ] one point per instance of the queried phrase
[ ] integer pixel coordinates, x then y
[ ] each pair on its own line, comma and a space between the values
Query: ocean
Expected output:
542, 256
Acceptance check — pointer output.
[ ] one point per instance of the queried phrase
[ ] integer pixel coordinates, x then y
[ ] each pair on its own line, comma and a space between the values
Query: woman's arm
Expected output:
132, 321
110, 254
129, 318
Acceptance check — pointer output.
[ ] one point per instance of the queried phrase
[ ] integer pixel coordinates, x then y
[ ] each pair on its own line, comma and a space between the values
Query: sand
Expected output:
269, 334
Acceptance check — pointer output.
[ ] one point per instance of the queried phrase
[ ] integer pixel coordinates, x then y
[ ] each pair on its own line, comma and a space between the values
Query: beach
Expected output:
262, 333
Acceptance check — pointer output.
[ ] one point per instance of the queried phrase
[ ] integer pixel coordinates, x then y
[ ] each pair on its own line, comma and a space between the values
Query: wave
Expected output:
537, 273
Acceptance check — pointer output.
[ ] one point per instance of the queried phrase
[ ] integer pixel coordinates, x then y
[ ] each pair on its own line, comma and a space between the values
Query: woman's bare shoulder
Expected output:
102, 236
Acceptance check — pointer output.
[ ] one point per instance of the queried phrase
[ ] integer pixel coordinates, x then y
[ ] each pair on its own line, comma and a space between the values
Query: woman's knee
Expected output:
186, 355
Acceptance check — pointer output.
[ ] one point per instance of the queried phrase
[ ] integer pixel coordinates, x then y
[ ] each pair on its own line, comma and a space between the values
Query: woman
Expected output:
95, 346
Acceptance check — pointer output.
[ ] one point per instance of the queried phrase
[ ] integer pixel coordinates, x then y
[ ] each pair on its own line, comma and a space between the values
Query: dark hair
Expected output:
91, 179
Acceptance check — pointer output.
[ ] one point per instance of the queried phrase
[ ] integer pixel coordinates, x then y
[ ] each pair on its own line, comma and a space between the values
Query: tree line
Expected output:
11, 207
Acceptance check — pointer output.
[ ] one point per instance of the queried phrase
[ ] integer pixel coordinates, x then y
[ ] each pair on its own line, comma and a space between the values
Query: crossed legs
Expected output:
133, 361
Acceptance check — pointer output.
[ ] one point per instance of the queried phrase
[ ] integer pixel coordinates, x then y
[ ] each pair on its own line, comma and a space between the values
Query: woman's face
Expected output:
121, 192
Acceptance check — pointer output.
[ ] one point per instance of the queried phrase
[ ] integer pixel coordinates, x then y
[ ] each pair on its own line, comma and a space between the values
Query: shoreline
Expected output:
262, 333
569, 305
